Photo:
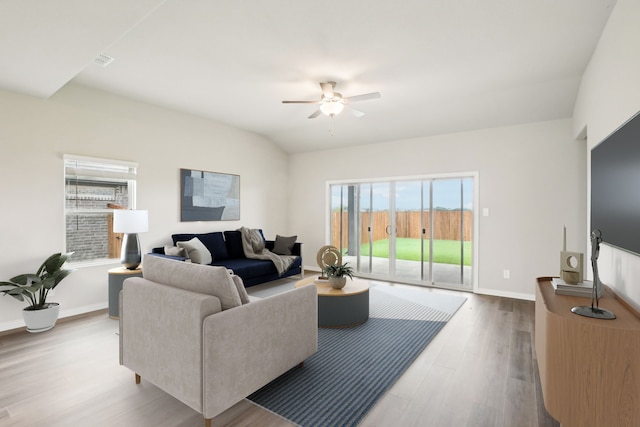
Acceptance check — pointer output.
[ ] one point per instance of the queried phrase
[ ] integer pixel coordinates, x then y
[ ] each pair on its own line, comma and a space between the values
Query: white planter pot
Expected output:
337, 282
43, 319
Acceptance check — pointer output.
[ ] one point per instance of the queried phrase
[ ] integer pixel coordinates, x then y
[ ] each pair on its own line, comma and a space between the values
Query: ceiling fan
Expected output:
332, 102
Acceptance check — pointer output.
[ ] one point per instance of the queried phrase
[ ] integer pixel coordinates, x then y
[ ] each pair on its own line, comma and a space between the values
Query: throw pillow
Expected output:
244, 296
217, 246
197, 251
184, 237
283, 245
175, 251
234, 244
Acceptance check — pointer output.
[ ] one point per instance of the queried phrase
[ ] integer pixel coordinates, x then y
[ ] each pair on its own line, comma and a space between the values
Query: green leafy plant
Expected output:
34, 288
338, 270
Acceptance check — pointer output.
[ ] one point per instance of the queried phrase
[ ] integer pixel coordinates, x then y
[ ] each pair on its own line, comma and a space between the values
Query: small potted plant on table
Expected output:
337, 274
40, 315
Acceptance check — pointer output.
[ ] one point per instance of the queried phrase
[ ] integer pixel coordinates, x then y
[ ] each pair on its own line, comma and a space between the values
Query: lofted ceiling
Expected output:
441, 66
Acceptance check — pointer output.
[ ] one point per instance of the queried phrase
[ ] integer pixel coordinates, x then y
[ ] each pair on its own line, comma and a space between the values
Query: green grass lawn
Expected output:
444, 251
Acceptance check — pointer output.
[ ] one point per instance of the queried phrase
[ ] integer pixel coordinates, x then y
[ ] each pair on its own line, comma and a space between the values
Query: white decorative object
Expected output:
571, 263
328, 255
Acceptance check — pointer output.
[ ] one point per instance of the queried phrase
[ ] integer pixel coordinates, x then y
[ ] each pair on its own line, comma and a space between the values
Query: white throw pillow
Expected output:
244, 296
197, 251
175, 251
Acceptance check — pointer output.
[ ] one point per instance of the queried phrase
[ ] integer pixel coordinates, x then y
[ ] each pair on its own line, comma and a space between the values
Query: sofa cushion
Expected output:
197, 251
234, 244
204, 279
283, 245
184, 237
247, 267
213, 241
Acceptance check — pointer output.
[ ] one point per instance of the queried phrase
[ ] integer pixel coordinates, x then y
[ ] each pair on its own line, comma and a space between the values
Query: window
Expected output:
93, 189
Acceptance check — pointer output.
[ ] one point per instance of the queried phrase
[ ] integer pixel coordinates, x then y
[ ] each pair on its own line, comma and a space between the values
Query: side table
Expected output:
116, 277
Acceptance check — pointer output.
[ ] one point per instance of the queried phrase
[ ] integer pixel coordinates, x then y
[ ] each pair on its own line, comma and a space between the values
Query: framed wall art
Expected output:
209, 196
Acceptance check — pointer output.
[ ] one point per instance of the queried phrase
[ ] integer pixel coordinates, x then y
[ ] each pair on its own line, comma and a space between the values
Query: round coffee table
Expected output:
340, 308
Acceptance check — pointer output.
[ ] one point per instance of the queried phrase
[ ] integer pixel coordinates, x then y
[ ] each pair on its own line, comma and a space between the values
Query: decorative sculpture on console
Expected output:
598, 288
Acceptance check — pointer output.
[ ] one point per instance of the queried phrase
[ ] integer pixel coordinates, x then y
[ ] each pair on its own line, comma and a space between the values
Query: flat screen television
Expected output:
615, 187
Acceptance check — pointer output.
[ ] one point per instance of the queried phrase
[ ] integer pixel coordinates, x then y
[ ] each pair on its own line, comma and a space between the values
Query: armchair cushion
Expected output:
204, 279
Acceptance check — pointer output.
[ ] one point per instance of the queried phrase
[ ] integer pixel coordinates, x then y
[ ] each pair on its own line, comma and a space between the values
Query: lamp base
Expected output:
596, 313
130, 256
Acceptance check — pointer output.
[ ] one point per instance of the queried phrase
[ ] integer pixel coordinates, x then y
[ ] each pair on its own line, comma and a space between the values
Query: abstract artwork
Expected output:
209, 196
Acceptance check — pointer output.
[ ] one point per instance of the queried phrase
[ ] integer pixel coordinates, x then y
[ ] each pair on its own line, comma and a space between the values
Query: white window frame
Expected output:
96, 169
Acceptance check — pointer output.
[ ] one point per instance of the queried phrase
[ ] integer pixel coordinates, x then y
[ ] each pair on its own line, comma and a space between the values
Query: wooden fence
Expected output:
446, 225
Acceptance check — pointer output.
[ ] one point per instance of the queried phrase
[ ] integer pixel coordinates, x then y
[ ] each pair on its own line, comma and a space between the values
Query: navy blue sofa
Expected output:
226, 251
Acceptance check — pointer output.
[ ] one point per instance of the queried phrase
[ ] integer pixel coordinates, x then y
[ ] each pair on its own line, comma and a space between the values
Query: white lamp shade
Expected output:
126, 221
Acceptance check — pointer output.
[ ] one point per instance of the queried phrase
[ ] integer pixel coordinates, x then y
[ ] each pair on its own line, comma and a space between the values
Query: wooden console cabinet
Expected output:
589, 368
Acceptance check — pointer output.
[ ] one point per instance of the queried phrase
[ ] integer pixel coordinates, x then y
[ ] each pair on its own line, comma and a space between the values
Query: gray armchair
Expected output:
190, 330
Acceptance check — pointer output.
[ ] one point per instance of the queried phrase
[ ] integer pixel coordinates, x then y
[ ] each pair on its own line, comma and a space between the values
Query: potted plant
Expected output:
337, 274
40, 315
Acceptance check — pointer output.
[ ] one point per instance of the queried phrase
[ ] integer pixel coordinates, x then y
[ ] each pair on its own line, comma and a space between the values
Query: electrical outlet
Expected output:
506, 274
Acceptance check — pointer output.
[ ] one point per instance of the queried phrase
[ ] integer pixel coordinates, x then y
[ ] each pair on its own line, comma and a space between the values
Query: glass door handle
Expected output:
387, 229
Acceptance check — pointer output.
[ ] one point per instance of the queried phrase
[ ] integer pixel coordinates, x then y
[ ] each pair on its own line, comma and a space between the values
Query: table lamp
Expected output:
130, 223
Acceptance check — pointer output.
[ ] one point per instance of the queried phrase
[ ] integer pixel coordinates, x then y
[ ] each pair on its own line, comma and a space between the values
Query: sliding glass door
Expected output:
417, 231
452, 231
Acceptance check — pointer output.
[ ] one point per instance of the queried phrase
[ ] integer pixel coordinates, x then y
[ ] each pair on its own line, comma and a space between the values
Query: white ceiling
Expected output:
441, 66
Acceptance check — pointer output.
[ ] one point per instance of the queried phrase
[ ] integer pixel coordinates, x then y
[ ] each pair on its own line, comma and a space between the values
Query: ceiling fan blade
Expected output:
365, 97
300, 102
315, 114
354, 112
327, 89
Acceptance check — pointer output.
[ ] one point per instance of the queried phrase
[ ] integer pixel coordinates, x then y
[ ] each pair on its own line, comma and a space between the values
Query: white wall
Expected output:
78, 120
610, 95
532, 179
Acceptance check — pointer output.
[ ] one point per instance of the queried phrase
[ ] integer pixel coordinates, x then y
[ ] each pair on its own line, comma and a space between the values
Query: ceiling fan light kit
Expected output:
331, 107
332, 103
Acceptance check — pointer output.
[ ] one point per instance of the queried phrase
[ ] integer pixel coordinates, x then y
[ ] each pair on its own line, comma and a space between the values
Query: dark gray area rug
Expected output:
355, 366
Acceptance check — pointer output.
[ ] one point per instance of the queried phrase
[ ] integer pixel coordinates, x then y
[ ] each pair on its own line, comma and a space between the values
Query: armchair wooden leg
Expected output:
137, 379
301, 364
207, 422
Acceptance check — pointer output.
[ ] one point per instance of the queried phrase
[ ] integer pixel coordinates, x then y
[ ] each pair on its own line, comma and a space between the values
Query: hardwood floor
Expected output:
480, 370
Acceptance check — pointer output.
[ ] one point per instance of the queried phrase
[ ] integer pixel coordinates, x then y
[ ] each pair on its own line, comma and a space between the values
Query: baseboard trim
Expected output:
14, 326
480, 291
505, 294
